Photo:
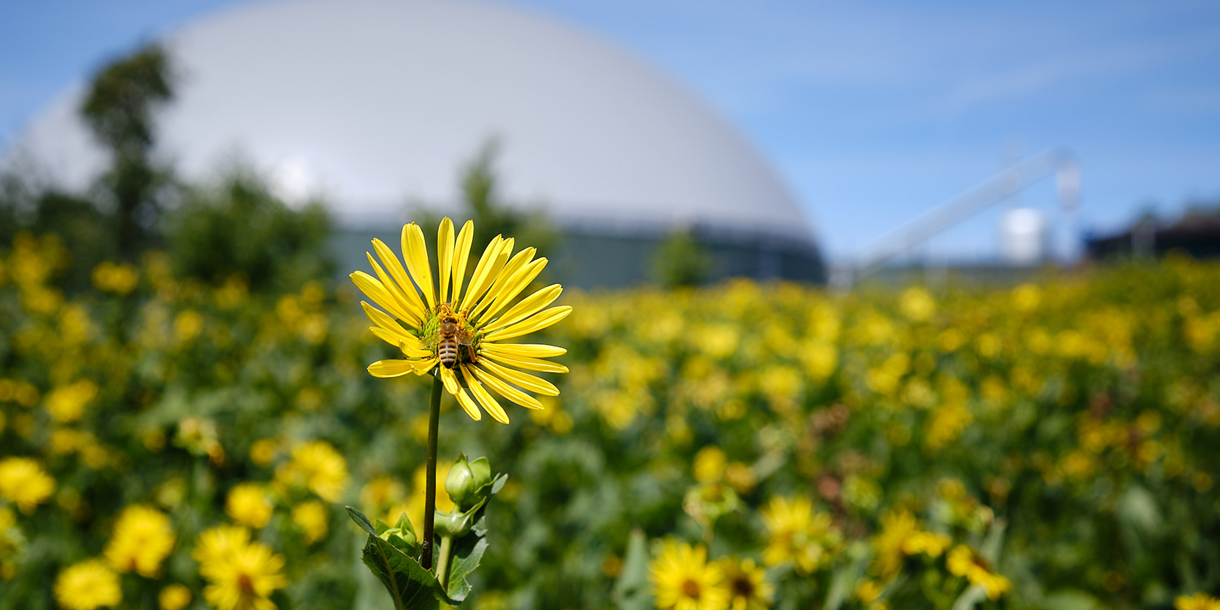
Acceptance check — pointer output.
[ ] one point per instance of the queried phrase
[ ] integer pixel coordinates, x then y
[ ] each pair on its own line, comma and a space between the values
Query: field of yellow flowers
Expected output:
1054, 445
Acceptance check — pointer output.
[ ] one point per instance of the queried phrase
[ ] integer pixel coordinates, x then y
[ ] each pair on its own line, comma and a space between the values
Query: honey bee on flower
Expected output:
459, 332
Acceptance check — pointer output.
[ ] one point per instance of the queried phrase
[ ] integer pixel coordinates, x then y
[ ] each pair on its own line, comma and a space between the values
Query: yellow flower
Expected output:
746, 584
142, 538
798, 534
218, 544
1198, 601
868, 591
249, 504
962, 561
88, 585
313, 518
174, 597
469, 329
709, 464
25, 483
683, 579
319, 467
67, 404
244, 578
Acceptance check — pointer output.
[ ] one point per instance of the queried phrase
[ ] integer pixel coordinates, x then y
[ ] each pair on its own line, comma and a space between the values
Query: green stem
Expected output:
434, 421
442, 563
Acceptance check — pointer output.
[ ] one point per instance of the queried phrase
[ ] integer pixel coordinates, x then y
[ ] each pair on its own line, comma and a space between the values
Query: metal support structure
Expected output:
1057, 162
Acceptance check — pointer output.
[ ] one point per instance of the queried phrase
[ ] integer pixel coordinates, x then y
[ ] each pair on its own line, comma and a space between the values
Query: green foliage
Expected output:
240, 228
680, 261
483, 203
1066, 432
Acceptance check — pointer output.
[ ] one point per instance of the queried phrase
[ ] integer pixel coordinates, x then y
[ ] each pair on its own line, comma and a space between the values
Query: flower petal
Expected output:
394, 266
488, 269
415, 251
422, 367
455, 388
536, 322
489, 403
461, 253
514, 285
375, 290
523, 349
410, 305
444, 257
409, 346
387, 369
507, 391
529, 364
527, 307
524, 380
506, 278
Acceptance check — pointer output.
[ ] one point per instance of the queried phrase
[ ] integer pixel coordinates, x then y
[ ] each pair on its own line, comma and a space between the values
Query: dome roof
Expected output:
377, 103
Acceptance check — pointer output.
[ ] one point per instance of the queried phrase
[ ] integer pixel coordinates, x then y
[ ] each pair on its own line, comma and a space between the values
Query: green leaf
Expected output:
468, 551
410, 586
631, 590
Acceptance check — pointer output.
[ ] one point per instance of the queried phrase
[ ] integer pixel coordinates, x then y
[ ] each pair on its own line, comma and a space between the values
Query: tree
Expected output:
119, 109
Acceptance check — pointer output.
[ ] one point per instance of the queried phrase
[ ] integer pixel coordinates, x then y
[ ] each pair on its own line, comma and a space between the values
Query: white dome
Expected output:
377, 103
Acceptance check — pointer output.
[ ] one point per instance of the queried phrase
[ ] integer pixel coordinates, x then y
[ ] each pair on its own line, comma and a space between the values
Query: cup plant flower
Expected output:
465, 336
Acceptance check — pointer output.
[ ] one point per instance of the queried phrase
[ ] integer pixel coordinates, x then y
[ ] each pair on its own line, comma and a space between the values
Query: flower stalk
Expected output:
434, 421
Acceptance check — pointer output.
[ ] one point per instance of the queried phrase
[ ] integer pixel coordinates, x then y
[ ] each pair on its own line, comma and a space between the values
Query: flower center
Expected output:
245, 584
690, 588
743, 587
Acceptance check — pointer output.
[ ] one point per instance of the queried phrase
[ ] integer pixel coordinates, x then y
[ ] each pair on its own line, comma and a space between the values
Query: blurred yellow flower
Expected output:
217, 544
87, 585
797, 534
249, 504
963, 561
262, 451
683, 579
119, 278
244, 578
174, 597
319, 467
313, 518
709, 464
747, 584
1198, 601
142, 538
916, 304
67, 403
460, 337
25, 483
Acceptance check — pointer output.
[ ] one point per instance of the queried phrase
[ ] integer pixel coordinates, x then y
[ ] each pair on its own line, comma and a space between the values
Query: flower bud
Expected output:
467, 482
401, 536
452, 524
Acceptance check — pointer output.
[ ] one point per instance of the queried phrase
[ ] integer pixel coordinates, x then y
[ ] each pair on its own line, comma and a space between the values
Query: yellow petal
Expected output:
489, 403
523, 349
414, 314
422, 367
485, 275
381, 319
506, 390
524, 380
527, 307
455, 388
461, 253
387, 369
529, 364
444, 256
408, 345
505, 281
392, 264
375, 290
515, 284
415, 251
531, 324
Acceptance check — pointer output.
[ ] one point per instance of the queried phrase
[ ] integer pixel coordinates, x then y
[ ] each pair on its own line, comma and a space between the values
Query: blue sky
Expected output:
871, 112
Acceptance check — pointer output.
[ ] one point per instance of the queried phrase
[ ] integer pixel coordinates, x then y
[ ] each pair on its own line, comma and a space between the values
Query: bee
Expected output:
452, 335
